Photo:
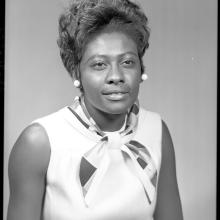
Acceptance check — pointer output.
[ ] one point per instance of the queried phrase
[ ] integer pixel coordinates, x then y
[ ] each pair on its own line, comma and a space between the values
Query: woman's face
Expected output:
110, 73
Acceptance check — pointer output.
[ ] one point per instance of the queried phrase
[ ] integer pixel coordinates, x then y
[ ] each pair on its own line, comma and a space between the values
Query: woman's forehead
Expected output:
110, 44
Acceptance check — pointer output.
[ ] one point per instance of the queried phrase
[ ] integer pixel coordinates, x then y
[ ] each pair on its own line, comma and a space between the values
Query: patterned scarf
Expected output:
96, 161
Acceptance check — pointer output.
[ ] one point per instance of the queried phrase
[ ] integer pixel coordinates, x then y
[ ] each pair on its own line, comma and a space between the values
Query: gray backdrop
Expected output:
181, 64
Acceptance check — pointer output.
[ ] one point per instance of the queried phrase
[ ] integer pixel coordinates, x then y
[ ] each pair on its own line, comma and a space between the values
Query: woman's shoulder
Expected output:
148, 113
150, 119
34, 135
54, 116
154, 119
31, 150
149, 126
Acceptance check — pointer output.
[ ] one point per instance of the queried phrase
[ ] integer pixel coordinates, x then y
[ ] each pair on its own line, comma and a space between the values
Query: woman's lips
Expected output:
115, 96
116, 93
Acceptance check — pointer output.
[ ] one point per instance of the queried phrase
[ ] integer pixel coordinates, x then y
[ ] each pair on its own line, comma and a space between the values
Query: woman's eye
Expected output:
99, 65
128, 62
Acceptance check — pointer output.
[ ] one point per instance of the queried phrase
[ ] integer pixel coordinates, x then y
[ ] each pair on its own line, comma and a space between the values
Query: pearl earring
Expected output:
144, 76
76, 83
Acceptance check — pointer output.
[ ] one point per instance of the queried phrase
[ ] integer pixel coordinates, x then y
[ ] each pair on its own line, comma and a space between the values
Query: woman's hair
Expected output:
84, 18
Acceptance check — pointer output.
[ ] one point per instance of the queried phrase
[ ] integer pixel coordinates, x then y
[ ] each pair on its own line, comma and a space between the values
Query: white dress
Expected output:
120, 196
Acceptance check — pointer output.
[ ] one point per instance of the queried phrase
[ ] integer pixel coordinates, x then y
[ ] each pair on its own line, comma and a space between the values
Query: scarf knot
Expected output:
114, 140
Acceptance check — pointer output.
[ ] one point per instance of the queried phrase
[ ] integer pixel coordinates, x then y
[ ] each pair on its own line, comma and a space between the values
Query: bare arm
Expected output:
28, 164
168, 205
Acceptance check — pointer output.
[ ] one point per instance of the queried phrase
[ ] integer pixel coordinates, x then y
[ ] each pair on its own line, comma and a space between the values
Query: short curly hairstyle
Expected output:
84, 18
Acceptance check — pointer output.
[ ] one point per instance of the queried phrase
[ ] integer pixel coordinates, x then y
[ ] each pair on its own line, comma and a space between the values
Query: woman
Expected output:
103, 157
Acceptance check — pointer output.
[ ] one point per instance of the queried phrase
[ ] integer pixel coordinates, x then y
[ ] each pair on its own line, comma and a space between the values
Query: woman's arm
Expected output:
28, 164
168, 205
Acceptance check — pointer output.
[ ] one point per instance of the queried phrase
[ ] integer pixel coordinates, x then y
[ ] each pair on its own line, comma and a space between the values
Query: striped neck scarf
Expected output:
95, 162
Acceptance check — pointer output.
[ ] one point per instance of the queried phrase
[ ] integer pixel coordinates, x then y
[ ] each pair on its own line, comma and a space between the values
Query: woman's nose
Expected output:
115, 75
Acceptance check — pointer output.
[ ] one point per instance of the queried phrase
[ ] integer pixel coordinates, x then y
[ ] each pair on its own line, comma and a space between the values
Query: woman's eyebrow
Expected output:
105, 56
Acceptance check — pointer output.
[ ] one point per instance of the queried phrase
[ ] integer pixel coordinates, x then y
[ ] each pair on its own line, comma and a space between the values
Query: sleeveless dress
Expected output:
120, 194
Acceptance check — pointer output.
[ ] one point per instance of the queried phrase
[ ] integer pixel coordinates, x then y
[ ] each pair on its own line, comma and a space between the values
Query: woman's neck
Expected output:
106, 121
110, 122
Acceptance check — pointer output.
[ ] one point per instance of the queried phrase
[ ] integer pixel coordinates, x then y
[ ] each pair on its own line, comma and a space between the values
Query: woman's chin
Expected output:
117, 107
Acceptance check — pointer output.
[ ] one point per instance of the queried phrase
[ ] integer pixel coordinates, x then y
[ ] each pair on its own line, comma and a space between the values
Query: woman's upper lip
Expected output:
114, 90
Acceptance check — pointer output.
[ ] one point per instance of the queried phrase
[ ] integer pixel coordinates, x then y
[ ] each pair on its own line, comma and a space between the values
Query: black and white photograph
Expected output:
110, 110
